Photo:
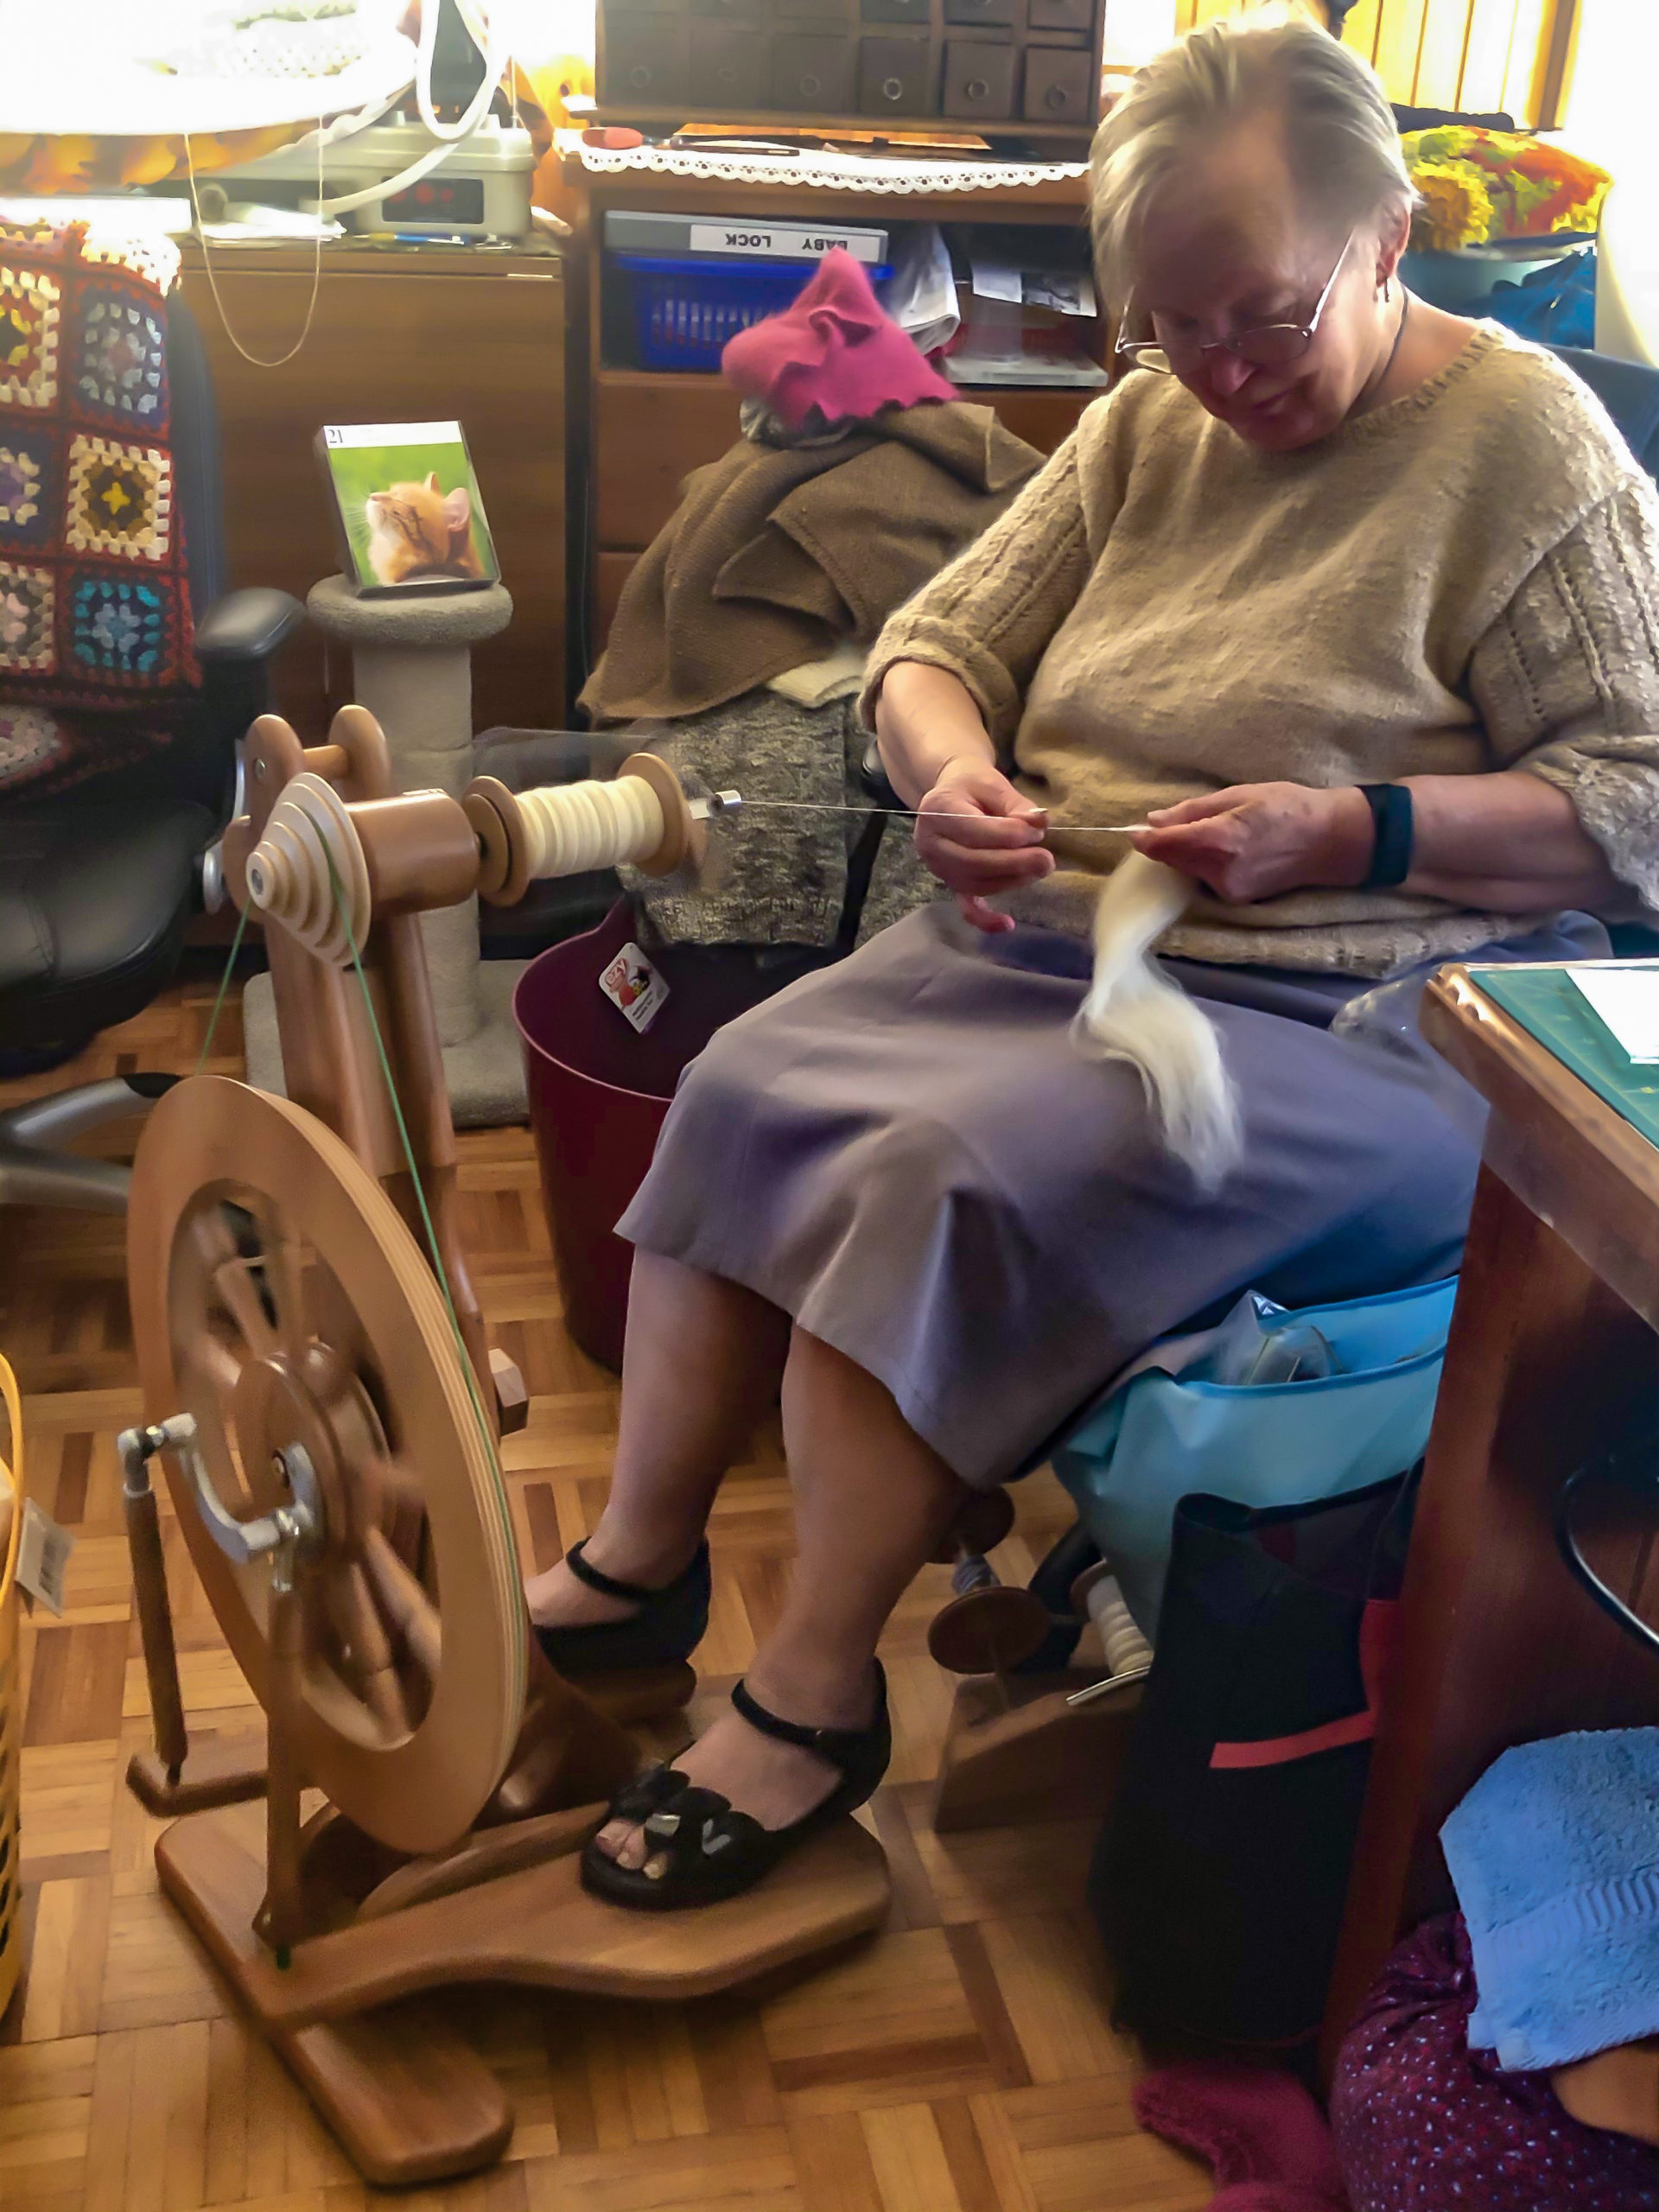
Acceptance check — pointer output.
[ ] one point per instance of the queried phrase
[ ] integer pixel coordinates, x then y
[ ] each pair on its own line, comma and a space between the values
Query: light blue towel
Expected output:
1554, 1854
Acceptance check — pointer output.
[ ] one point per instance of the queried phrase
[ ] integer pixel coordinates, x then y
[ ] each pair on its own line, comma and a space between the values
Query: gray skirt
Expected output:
904, 1152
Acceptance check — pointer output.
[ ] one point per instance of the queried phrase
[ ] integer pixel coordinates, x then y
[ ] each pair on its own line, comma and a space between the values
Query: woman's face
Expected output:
1230, 248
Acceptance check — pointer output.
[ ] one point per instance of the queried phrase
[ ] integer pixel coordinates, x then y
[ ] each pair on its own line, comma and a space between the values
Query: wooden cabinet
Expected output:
414, 337
636, 434
835, 60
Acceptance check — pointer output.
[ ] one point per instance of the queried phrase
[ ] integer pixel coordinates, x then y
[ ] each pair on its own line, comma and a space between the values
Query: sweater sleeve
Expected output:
1567, 680
989, 616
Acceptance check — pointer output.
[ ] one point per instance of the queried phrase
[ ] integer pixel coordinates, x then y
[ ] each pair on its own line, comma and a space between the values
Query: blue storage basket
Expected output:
686, 306
1135, 1456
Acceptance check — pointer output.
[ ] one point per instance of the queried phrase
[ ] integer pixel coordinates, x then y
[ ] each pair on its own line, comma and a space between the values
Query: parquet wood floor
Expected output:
961, 2062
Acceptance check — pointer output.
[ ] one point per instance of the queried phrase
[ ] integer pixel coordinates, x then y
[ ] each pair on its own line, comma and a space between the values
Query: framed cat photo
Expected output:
406, 507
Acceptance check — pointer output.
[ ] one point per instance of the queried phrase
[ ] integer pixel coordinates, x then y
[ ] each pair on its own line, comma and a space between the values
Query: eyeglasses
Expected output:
1265, 346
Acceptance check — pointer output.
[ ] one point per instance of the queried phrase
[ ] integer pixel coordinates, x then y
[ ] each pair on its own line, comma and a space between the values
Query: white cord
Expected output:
213, 282
494, 62
573, 829
448, 135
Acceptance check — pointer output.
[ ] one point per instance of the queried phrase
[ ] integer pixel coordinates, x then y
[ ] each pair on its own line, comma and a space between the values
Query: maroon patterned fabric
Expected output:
1423, 2124
95, 634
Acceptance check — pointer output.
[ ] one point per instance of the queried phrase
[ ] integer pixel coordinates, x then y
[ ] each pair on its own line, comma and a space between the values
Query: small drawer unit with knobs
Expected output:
1022, 70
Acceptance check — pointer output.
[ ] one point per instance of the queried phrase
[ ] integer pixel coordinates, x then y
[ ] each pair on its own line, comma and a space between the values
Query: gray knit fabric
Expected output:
773, 875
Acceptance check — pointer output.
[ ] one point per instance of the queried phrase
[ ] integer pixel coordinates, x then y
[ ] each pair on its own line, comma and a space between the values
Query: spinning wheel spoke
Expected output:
242, 1292
403, 1498
404, 1604
219, 1361
366, 1650
286, 1279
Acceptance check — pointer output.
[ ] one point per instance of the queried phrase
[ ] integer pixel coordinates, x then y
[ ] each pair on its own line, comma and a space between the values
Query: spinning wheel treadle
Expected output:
279, 1301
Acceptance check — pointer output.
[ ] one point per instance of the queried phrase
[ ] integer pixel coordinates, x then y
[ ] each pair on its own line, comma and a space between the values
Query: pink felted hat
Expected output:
836, 349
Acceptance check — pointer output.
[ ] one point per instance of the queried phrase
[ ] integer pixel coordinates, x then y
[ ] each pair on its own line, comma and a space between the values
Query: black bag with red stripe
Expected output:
1220, 1876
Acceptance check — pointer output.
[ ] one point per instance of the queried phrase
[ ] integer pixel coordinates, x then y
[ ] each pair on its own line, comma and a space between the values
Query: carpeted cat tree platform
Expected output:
411, 667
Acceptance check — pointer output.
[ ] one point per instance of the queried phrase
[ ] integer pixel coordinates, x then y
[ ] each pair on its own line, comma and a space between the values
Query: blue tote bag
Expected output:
1159, 1437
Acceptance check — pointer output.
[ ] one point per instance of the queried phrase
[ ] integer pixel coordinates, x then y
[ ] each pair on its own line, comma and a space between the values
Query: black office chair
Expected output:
99, 884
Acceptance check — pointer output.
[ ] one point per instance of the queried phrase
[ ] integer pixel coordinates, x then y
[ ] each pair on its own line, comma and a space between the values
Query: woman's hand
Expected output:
979, 836
1253, 841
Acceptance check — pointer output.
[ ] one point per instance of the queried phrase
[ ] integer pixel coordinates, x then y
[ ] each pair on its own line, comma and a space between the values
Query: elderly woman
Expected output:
1354, 603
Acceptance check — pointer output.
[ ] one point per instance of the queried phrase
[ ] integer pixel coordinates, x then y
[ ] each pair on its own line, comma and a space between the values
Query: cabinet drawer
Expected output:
728, 65
1060, 85
648, 434
978, 78
828, 13
894, 11
814, 73
645, 59
894, 75
979, 11
729, 11
1061, 15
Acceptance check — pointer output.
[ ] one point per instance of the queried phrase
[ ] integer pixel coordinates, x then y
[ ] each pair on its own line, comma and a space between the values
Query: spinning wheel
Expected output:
319, 1391
281, 1304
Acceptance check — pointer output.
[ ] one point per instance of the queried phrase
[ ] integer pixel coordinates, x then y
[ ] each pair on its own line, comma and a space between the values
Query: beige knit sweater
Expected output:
1463, 581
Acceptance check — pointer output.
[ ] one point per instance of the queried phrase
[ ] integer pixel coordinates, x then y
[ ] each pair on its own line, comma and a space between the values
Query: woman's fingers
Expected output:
990, 919
988, 874
969, 826
1201, 809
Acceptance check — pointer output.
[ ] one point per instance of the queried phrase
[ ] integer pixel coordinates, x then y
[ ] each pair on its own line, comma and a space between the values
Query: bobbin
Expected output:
988, 1624
1098, 1596
505, 867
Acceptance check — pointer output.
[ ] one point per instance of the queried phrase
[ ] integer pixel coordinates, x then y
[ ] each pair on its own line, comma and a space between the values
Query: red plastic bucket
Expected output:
599, 1092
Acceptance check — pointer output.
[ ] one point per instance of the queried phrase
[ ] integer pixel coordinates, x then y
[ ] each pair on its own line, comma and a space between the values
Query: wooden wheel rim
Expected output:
210, 1142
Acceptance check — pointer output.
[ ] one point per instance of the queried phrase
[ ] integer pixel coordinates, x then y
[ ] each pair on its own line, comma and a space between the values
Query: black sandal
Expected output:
668, 1627
704, 1849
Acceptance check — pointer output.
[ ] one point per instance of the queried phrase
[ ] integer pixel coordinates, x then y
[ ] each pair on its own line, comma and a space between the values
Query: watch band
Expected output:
1391, 822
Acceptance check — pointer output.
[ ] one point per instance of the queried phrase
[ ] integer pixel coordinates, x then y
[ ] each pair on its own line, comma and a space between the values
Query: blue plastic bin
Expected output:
686, 306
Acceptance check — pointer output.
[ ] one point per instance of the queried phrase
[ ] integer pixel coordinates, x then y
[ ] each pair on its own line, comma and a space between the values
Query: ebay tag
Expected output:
635, 987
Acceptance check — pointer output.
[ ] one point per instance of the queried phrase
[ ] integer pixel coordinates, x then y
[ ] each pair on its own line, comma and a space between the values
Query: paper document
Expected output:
1627, 999
993, 280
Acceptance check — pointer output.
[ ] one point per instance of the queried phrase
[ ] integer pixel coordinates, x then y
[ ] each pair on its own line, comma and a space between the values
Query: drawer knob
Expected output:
639, 76
977, 88
810, 86
892, 88
1054, 97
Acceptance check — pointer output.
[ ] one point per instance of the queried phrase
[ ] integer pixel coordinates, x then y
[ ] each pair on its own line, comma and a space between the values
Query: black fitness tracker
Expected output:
1391, 823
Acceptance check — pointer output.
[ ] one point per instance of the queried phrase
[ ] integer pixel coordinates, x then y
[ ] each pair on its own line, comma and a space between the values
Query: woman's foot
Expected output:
557, 1598
750, 1774
590, 1618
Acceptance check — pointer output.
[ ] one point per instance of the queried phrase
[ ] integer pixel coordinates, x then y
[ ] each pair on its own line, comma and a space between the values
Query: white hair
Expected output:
1339, 134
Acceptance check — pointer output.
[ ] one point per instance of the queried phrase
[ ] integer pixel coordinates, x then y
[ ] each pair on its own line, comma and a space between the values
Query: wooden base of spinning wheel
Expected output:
408, 2098
1016, 1744
213, 1773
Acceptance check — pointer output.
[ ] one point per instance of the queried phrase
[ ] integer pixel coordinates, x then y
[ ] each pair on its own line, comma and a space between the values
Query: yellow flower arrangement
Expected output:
1456, 208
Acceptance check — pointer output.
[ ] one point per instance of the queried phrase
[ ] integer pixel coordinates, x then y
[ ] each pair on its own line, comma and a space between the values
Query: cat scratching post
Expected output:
411, 667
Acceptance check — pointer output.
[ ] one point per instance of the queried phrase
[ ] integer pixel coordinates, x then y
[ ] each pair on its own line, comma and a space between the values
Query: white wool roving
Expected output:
1134, 1012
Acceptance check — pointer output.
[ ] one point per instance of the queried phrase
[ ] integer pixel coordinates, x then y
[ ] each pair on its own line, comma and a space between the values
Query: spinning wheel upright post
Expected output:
318, 1391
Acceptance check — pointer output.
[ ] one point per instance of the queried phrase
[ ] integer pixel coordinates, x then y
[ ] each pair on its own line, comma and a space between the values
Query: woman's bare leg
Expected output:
871, 1502
700, 1368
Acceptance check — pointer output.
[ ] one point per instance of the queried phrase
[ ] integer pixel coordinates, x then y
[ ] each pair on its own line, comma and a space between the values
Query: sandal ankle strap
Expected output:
841, 1746
630, 1593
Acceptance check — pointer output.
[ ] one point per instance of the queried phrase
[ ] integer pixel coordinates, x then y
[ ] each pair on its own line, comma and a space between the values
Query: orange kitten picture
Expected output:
415, 531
